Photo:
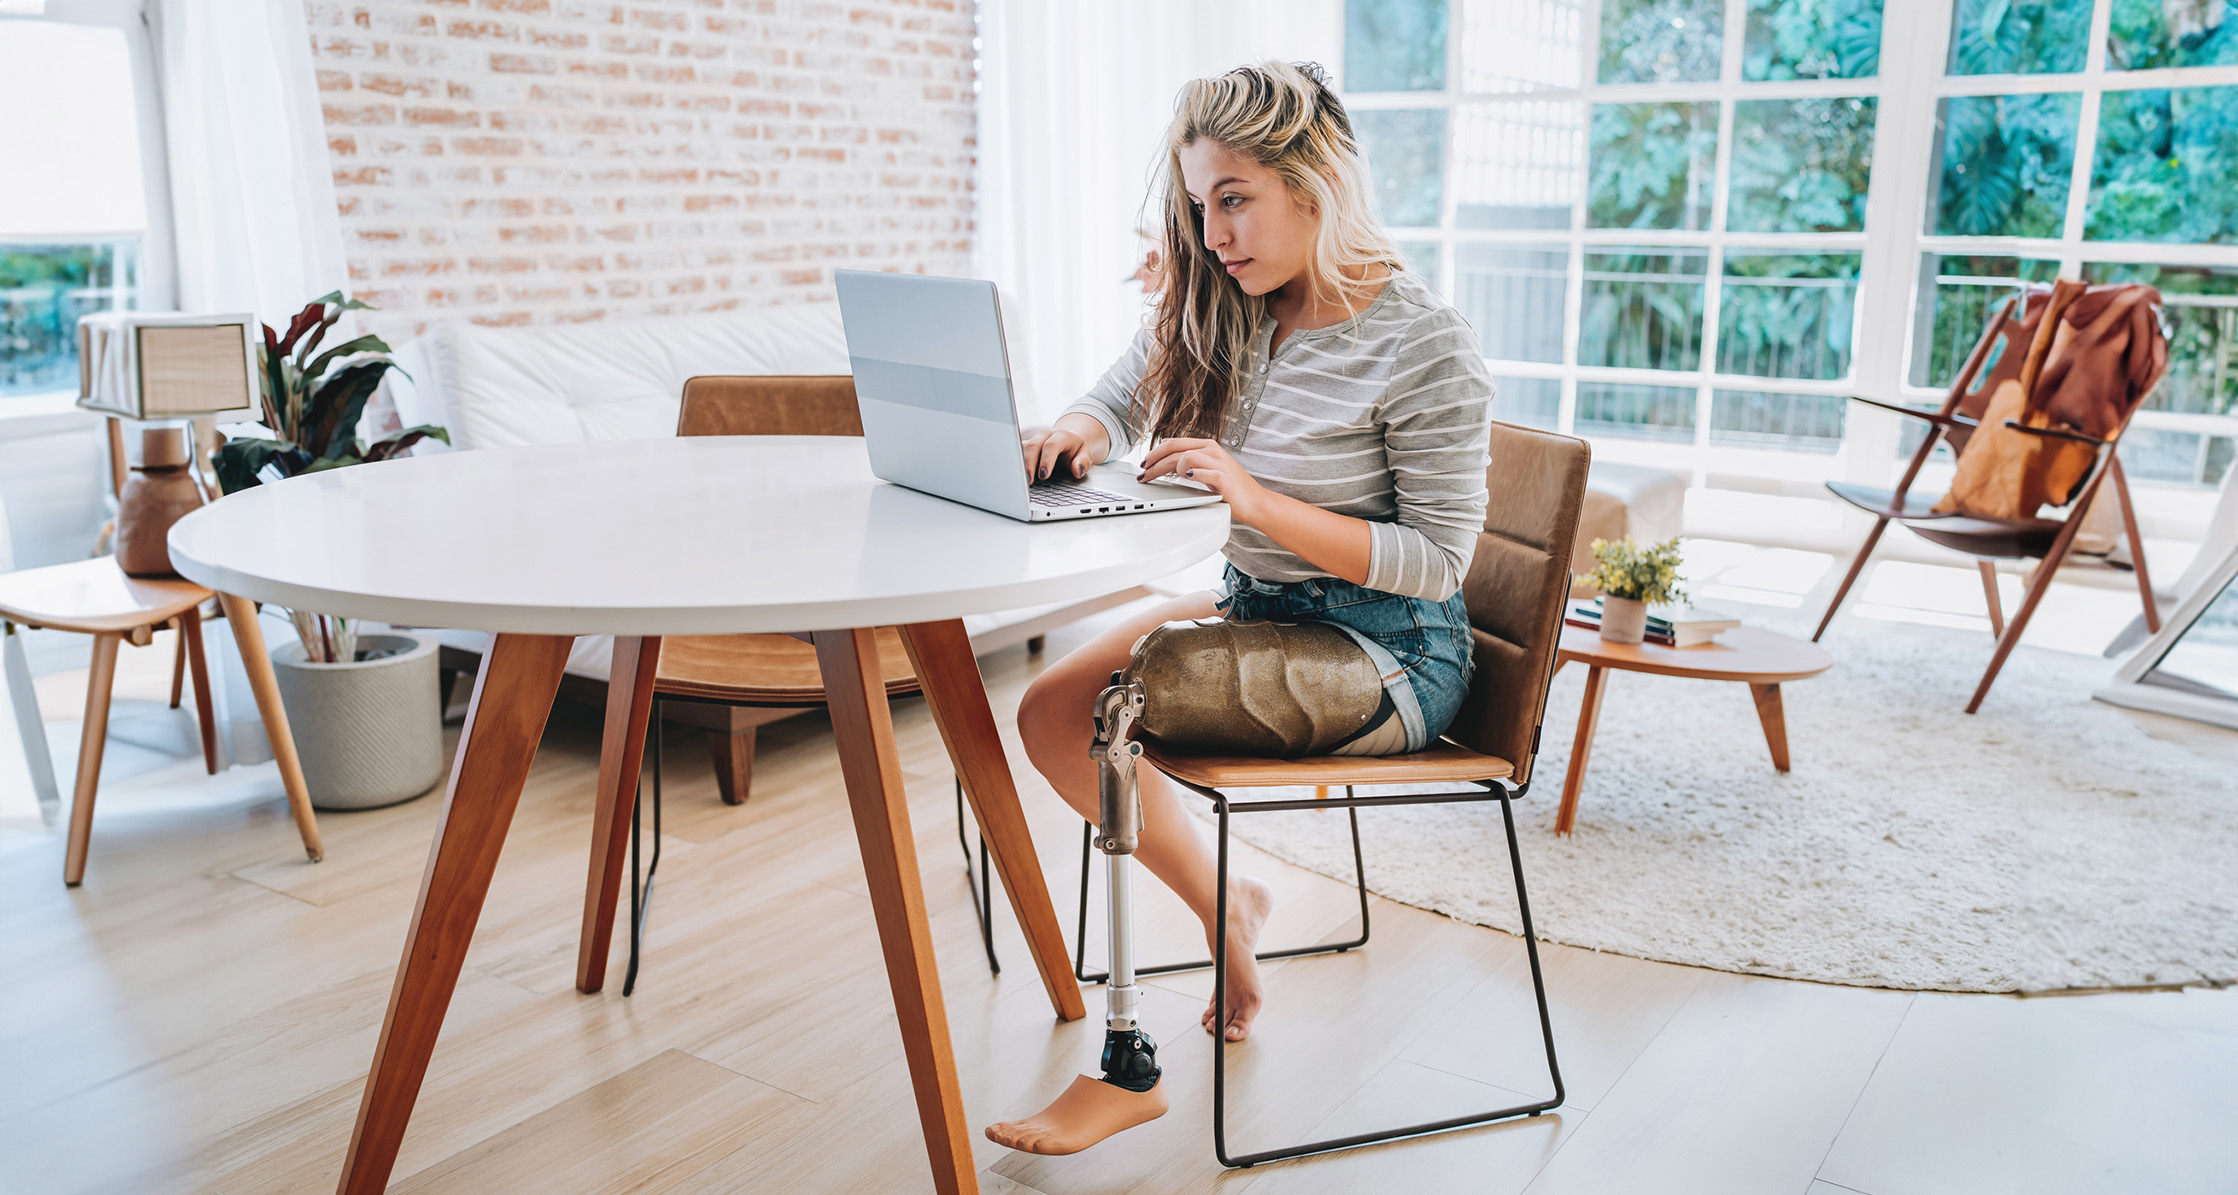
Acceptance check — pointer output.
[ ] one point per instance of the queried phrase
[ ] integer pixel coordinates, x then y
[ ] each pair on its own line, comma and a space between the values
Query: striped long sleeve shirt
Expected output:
1387, 421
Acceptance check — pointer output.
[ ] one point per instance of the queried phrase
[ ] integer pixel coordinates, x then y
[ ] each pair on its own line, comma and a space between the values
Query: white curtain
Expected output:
252, 193
1073, 105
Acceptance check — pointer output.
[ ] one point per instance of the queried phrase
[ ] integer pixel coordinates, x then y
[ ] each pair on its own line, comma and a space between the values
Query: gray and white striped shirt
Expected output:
1387, 420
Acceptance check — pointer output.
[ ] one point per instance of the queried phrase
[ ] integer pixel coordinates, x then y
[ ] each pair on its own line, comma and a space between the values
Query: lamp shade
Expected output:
164, 365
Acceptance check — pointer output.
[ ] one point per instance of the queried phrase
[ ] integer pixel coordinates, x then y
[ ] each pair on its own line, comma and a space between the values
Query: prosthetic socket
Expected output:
1258, 688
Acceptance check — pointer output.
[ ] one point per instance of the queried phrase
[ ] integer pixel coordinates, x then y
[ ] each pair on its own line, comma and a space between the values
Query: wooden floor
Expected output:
199, 1017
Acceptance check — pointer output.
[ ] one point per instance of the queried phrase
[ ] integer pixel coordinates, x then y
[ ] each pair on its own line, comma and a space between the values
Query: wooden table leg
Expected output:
190, 638
1773, 715
864, 729
248, 639
90, 742
621, 755
941, 654
1588, 715
512, 698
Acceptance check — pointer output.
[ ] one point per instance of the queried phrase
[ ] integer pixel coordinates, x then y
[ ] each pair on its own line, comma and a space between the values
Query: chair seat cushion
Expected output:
1442, 762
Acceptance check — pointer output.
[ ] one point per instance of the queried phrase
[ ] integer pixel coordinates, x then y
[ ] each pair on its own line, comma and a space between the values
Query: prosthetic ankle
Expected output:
1130, 1057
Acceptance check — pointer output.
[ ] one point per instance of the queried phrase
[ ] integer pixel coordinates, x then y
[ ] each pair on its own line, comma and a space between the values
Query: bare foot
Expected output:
1088, 1111
1249, 902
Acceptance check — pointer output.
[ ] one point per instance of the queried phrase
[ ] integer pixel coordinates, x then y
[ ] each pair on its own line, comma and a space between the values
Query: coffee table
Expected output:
1763, 660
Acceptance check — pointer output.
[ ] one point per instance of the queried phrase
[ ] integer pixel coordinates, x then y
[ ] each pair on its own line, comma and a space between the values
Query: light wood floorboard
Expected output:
199, 1018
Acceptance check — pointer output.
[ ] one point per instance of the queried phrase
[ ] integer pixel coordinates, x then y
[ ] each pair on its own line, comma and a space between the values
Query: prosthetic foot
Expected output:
1128, 1093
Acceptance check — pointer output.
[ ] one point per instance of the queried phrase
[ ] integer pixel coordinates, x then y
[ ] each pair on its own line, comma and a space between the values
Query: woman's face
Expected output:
1263, 236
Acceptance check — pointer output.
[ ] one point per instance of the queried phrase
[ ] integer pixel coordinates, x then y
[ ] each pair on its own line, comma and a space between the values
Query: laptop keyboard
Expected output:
1058, 493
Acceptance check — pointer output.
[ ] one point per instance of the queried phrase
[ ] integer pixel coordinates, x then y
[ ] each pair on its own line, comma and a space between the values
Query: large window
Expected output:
1688, 228
75, 156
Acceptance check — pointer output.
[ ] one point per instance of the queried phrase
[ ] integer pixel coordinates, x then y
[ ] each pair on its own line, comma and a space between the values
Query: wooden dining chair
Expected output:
2028, 329
1516, 587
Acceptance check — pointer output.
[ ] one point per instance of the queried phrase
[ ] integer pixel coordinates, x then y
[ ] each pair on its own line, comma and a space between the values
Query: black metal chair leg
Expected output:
641, 889
982, 884
1080, 936
1220, 1000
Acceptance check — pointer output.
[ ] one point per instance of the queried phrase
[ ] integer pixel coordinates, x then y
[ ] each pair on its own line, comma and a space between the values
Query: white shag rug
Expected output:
2044, 843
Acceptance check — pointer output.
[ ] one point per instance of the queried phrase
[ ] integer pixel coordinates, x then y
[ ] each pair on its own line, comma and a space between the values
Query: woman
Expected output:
1338, 405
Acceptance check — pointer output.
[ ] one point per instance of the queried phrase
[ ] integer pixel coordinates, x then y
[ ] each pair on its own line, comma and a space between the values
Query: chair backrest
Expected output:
1517, 585
801, 405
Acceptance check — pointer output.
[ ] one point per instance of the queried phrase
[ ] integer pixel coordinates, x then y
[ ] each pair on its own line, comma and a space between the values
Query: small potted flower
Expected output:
1632, 578
366, 725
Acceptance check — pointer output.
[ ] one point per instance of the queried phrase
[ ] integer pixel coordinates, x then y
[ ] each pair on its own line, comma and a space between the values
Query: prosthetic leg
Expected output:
1128, 1093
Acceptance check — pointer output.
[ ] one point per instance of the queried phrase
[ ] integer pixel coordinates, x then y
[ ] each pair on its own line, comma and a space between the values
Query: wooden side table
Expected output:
1762, 660
94, 597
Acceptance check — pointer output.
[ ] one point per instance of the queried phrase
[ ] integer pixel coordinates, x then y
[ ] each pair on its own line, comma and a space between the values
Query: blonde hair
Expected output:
1283, 117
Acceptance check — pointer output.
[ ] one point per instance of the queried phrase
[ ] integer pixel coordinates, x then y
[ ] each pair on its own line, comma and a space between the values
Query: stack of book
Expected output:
1671, 626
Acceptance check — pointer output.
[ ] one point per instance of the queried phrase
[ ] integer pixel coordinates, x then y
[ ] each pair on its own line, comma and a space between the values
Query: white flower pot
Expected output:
1623, 620
370, 733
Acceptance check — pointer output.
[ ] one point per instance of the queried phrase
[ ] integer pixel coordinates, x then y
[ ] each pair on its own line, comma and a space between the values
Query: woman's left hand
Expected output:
1208, 464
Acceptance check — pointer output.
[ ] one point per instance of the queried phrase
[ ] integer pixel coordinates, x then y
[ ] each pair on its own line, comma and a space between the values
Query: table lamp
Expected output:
162, 365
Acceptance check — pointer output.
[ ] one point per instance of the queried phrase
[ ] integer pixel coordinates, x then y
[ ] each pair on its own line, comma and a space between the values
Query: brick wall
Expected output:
538, 161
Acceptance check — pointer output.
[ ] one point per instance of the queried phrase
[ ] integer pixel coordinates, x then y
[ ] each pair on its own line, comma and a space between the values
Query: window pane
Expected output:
1800, 165
1957, 297
1661, 41
1643, 310
1652, 165
43, 291
2146, 34
2166, 167
2018, 37
2205, 660
1422, 258
1404, 149
1521, 45
1514, 298
1636, 412
2200, 309
1532, 402
2004, 163
1788, 315
1811, 39
1517, 165
1394, 45
2176, 458
81, 139
1794, 422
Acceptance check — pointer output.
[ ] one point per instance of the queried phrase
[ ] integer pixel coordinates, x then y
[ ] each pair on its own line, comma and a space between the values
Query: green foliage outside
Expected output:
1800, 328
1800, 165
2019, 37
2006, 163
1958, 311
1652, 165
2166, 167
1404, 147
1634, 411
1643, 310
1661, 41
1811, 39
2147, 34
1394, 45
43, 291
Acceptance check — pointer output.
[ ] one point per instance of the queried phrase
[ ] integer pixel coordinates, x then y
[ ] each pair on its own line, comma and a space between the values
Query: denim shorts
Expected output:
1421, 647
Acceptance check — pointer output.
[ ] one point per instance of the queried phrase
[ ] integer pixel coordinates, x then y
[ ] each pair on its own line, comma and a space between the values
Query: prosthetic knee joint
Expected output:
1130, 1057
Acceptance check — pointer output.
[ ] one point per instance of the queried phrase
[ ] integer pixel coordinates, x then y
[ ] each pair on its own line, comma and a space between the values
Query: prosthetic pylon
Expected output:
1130, 1057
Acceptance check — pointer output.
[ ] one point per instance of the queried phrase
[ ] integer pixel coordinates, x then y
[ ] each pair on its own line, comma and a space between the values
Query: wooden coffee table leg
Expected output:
621, 755
940, 652
1588, 716
512, 698
1773, 714
863, 727
248, 639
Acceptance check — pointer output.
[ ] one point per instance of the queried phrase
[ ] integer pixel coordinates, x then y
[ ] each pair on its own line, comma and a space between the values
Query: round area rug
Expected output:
2044, 843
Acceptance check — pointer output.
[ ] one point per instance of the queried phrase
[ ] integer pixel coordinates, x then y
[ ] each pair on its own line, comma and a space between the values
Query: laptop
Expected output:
933, 379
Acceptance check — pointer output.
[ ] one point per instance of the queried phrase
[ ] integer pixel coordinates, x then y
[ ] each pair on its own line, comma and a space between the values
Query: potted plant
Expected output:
1632, 578
365, 726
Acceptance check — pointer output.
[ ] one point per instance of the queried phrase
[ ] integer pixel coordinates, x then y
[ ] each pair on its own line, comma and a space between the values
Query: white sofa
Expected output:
505, 387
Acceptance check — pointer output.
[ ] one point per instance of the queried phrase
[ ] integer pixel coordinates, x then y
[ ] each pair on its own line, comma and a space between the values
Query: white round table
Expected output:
697, 536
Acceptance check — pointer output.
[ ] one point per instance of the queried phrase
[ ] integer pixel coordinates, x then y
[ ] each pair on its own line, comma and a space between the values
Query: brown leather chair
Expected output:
1516, 587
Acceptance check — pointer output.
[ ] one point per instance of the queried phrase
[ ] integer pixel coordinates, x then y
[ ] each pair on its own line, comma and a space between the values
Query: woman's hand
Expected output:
1067, 448
1208, 464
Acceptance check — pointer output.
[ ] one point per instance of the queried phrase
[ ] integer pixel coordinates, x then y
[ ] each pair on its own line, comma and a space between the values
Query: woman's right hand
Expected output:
1060, 451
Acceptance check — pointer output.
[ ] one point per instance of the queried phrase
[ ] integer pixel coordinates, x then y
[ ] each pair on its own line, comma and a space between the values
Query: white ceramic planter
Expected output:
1623, 620
370, 733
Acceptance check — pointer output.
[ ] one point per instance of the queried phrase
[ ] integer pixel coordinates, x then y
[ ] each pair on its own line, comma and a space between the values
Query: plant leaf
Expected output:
330, 426
388, 446
238, 461
363, 344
